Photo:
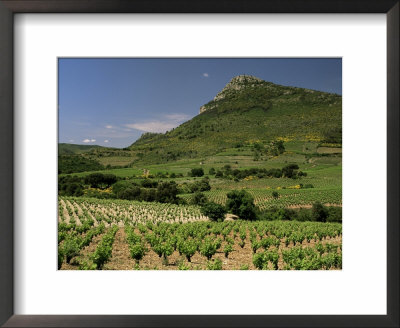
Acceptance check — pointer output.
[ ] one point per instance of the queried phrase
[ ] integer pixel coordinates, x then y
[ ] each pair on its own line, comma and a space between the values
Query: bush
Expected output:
319, 212
188, 248
211, 171
137, 251
77, 163
98, 180
129, 193
121, 185
241, 203
147, 183
203, 185
199, 199
334, 214
219, 174
167, 192
275, 195
70, 248
214, 265
73, 189
197, 172
290, 171
214, 211
70, 186
208, 248
303, 215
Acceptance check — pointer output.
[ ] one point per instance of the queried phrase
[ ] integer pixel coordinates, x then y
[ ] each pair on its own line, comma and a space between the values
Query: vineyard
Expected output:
125, 235
287, 197
120, 212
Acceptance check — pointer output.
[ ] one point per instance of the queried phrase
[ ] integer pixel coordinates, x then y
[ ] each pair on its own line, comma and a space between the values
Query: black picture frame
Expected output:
10, 7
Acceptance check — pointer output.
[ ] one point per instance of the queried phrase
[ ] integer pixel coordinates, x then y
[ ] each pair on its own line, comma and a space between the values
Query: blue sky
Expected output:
112, 101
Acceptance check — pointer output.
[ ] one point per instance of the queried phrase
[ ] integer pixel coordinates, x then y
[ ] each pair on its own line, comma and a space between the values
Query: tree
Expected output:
97, 180
203, 185
319, 212
219, 174
197, 172
199, 199
131, 193
227, 169
289, 171
241, 203
166, 192
215, 212
279, 145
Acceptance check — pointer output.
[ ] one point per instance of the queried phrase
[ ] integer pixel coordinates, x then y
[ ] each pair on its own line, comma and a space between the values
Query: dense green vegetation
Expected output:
69, 149
77, 163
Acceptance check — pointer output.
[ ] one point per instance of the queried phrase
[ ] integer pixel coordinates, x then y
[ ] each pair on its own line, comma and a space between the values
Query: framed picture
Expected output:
129, 137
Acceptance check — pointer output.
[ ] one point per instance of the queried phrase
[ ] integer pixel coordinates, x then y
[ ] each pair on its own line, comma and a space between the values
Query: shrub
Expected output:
275, 195
290, 171
97, 180
227, 249
202, 185
121, 185
219, 174
241, 203
197, 172
199, 199
71, 248
147, 183
208, 248
137, 251
131, 193
188, 248
214, 265
104, 249
319, 212
215, 212
260, 261
334, 214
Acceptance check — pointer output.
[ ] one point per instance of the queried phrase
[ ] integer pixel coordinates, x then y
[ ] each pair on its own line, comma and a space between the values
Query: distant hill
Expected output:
69, 149
246, 111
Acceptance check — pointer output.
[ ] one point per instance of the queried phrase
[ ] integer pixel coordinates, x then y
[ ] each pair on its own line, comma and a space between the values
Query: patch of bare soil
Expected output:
120, 259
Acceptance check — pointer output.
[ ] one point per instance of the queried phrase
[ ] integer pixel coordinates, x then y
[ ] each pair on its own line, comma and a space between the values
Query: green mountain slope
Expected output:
69, 149
247, 111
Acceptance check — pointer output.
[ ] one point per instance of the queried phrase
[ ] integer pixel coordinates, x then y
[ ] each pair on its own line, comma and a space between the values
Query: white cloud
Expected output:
86, 140
153, 126
205, 74
71, 140
169, 122
93, 140
108, 126
177, 117
105, 141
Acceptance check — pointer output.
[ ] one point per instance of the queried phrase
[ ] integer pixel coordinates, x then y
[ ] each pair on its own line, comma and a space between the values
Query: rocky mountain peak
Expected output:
235, 84
240, 79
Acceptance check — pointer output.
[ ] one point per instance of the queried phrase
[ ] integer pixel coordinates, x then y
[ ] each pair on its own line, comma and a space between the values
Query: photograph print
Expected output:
200, 164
